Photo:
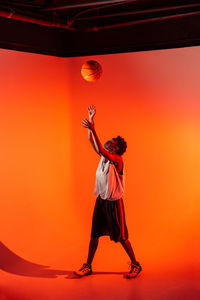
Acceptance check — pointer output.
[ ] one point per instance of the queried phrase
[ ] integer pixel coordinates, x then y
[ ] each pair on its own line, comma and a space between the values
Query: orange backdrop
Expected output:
48, 167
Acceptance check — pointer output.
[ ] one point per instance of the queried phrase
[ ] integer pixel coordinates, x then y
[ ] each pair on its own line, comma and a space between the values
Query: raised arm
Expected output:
98, 146
91, 114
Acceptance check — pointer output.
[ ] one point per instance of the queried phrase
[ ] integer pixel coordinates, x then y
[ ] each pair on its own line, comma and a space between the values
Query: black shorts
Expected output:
109, 219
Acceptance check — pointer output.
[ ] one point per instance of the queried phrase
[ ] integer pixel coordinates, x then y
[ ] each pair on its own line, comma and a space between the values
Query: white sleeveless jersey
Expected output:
109, 183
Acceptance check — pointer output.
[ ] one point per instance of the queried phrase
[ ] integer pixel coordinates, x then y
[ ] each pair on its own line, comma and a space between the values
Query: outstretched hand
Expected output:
91, 112
87, 124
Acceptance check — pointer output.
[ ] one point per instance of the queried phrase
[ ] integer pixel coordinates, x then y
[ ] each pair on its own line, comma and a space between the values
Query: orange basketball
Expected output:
91, 70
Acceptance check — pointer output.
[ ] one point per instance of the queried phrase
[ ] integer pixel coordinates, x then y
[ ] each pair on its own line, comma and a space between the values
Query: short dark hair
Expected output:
122, 145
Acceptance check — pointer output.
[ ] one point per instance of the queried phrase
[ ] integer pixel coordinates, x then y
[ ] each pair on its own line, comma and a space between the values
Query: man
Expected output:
108, 216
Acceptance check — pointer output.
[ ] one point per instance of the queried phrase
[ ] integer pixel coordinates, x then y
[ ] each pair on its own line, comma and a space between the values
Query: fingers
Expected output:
91, 108
85, 123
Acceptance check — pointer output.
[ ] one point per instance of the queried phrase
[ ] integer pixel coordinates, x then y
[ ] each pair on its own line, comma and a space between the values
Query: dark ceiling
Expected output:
85, 27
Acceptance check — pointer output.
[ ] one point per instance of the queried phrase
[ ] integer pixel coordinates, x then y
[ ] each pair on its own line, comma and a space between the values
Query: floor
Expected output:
23, 280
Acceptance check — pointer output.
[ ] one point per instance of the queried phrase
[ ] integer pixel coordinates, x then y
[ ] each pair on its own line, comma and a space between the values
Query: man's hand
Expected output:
91, 113
87, 124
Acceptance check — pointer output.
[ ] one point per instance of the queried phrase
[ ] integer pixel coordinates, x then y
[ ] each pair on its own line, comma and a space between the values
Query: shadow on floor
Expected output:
14, 264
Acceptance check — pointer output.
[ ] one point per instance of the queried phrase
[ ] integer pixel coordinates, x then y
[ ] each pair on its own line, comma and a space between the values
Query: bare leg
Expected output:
129, 250
92, 249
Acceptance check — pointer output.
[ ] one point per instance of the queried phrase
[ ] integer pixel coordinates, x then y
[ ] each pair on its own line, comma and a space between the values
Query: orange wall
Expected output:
48, 167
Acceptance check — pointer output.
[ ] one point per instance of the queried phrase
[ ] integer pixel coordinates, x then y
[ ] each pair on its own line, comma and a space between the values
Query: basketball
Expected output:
91, 70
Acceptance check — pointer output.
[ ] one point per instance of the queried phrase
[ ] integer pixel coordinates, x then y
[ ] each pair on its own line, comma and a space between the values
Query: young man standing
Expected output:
108, 216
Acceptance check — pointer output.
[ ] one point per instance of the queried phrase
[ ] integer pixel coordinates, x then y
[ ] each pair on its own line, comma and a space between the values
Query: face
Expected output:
111, 146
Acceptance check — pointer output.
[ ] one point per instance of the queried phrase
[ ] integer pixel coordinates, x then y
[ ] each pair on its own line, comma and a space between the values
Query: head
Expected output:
116, 146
